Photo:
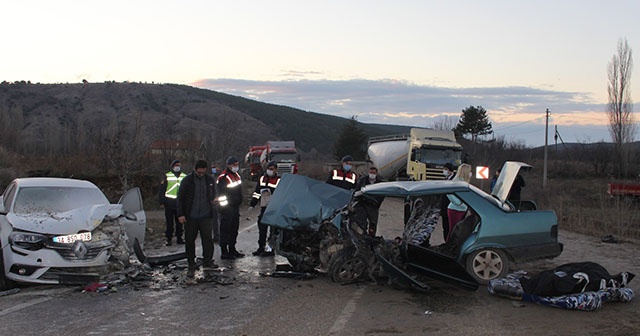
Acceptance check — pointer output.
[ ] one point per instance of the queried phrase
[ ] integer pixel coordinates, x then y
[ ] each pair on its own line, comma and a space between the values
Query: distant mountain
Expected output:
66, 118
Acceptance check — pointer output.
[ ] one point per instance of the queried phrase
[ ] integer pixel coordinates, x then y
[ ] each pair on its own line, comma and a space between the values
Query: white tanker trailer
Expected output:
420, 155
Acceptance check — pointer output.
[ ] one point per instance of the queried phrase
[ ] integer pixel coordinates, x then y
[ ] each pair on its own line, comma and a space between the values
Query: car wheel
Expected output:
344, 266
4, 282
487, 264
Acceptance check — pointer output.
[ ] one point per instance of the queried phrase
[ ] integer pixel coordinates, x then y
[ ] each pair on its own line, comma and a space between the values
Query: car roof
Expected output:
53, 182
415, 188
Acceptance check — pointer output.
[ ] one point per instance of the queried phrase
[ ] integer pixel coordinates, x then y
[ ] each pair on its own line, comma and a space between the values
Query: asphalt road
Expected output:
240, 301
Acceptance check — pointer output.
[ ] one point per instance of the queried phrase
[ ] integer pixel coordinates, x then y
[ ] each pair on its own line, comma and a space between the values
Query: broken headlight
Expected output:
26, 240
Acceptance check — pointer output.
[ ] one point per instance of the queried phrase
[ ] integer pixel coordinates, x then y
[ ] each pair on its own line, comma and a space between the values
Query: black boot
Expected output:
225, 254
234, 252
168, 242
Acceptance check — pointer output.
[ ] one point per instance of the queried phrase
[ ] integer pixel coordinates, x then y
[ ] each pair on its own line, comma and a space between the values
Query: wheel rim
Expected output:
351, 269
487, 265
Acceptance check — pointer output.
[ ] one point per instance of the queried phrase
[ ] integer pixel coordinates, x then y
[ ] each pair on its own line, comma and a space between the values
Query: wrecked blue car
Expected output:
318, 230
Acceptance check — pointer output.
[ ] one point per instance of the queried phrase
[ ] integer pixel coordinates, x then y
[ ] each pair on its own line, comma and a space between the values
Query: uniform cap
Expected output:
347, 158
272, 164
231, 160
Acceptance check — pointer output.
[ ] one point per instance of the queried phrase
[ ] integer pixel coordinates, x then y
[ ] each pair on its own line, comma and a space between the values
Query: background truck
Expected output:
419, 155
252, 160
623, 189
283, 153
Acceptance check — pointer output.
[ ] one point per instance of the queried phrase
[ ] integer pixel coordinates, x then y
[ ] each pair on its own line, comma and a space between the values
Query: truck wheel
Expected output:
487, 264
344, 266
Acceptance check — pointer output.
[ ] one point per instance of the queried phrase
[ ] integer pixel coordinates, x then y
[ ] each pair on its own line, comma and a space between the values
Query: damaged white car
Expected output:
65, 231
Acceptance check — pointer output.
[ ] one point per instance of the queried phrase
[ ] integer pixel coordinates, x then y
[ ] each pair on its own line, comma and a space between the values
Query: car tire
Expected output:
4, 282
345, 267
487, 264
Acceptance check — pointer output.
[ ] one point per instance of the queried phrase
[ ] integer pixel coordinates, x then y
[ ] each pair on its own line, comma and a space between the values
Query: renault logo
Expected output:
79, 249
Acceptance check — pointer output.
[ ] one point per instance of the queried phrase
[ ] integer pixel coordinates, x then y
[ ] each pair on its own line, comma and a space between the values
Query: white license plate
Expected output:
69, 239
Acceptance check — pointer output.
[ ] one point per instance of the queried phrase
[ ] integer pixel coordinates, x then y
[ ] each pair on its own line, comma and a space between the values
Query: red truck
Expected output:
623, 189
252, 160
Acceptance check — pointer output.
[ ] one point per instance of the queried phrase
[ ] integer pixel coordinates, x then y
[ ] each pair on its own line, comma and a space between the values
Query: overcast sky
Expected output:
400, 62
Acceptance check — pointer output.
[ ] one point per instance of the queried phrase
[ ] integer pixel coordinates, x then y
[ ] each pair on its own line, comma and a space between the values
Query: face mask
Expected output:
213, 170
346, 167
176, 169
270, 172
445, 172
235, 169
372, 176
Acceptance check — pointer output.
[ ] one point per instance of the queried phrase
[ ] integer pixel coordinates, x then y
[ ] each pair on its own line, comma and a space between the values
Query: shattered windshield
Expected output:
56, 199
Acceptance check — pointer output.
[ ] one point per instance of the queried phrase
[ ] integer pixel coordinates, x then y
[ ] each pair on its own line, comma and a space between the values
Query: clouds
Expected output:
515, 112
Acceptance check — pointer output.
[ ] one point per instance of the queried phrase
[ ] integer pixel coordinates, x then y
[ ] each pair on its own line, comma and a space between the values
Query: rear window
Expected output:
56, 199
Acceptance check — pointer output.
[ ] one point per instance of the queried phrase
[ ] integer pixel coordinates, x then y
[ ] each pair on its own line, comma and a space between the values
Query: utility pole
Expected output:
546, 142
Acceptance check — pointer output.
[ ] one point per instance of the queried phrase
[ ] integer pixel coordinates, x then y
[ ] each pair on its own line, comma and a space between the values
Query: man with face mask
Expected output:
265, 187
167, 195
196, 199
229, 201
344, 177
369, 207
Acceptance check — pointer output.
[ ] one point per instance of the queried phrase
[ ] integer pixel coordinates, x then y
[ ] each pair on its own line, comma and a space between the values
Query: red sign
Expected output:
482, 173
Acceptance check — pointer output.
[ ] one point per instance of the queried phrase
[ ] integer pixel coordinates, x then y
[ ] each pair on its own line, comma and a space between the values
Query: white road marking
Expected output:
346, 313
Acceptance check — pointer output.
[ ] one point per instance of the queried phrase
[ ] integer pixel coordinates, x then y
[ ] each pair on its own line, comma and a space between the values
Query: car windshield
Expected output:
438, 156
56, 199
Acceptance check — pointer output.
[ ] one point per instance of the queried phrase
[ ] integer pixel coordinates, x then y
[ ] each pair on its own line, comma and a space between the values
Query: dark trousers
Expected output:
216, 226
171, 218
262, 229
229, 225
368, 213
205, 227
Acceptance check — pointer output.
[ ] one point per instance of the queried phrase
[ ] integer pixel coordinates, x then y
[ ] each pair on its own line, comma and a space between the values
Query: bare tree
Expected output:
446, 123
620, 107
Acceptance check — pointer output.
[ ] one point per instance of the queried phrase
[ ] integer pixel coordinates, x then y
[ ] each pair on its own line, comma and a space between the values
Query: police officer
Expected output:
167, 195
229, 201
265, 187
344, 177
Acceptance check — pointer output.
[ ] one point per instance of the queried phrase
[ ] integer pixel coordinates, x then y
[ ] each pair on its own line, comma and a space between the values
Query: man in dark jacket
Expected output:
344, 177
167, 195
369, 207
265, 187
196, 199
229, 201
447, 171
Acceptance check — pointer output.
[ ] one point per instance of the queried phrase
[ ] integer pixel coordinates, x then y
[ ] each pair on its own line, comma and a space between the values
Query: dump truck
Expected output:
252, 160
285, 155
419, 155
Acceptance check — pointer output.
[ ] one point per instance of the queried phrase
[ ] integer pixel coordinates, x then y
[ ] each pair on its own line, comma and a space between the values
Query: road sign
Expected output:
482, 173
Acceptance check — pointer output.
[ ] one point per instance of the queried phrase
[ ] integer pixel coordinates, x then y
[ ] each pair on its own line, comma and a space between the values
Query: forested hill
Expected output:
66, 119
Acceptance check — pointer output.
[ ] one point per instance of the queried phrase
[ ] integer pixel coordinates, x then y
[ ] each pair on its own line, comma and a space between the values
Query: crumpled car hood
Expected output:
302, 203
68, 222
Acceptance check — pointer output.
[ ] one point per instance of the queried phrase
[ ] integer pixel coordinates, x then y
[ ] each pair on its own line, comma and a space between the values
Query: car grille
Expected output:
93, 250
74, 275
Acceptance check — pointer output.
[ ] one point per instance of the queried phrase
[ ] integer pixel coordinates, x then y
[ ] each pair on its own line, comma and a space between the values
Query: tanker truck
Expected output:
419, 155
252, 160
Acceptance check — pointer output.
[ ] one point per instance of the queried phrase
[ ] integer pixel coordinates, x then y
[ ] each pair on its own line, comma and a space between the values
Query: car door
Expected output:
135, 219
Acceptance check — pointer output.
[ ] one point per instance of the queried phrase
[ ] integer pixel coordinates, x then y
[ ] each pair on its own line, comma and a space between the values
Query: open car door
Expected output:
135, 219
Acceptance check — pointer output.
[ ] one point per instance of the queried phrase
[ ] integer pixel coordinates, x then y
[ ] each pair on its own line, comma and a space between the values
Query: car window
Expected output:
55, 199
7, 197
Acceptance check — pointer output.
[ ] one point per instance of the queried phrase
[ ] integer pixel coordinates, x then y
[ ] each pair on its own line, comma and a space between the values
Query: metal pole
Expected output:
546, 142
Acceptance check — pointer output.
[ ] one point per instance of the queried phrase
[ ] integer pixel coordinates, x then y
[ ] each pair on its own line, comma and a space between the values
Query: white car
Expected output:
64, 231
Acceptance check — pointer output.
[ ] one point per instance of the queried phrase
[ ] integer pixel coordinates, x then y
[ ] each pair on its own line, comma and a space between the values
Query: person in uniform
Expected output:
265, 187
229, 200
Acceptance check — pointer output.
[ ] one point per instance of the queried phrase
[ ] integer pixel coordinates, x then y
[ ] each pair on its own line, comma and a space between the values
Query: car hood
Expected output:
302, 203
68, 222
508, 174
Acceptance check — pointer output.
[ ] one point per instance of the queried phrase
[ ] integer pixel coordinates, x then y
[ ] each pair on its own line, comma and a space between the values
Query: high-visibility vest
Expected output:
173, 184
339, 175
233, 181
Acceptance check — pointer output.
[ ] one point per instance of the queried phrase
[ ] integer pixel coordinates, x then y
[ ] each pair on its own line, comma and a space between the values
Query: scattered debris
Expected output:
610, 239
10, 291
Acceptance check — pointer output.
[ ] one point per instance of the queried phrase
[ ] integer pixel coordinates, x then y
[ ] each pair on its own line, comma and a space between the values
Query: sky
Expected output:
416, 63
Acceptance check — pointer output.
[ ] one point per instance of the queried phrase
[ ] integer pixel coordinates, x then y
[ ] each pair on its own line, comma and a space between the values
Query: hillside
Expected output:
66, 119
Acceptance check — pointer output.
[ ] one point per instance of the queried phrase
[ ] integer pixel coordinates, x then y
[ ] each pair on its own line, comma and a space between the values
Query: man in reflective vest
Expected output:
167, 195
265, 187
344, 177
229, 200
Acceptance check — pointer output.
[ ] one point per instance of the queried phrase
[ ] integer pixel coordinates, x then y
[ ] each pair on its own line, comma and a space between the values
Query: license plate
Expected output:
69, 239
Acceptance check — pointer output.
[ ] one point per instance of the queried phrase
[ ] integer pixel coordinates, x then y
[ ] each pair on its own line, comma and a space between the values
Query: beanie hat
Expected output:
201, 164
173, 163
231, 160
272, 164
347, 158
